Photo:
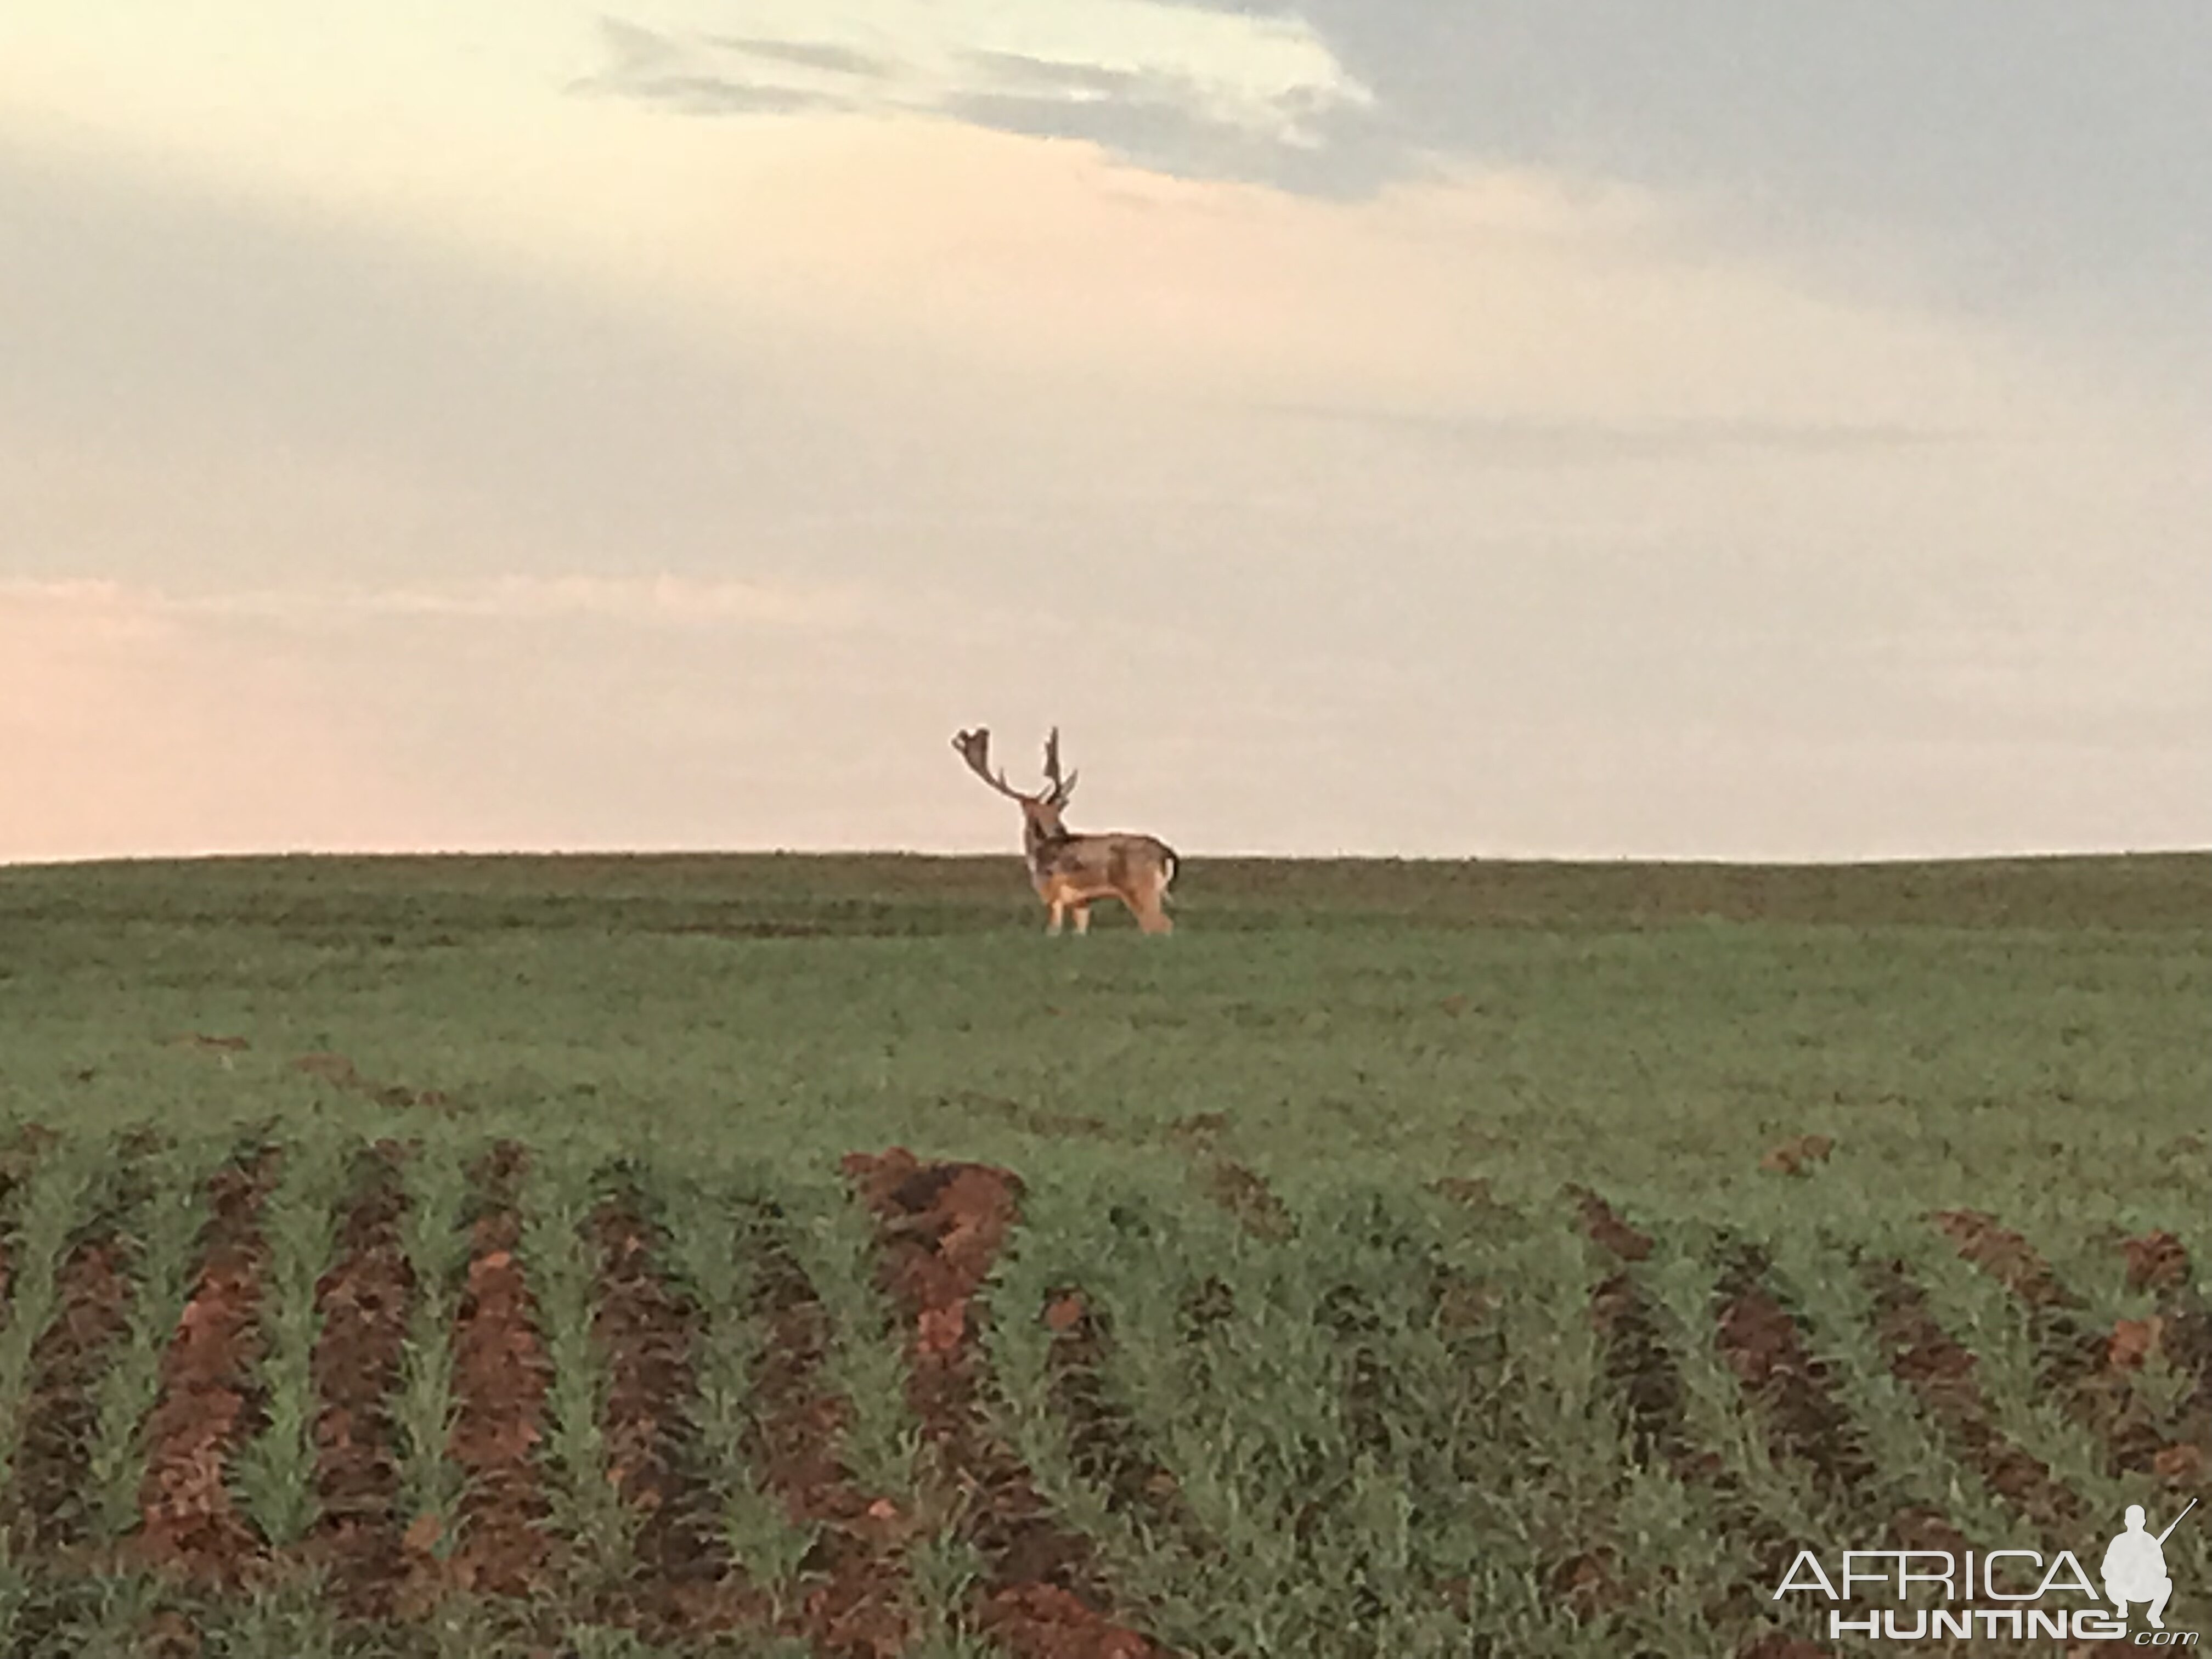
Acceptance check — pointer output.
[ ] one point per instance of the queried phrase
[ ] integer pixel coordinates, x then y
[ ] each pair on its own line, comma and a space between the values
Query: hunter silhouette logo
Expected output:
2135, 1565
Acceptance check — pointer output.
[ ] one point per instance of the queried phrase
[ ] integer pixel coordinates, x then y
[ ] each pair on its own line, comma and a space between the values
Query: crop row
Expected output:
321, 1395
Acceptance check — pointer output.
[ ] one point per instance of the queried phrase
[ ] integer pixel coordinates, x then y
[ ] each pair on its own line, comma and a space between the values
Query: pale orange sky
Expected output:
494, 425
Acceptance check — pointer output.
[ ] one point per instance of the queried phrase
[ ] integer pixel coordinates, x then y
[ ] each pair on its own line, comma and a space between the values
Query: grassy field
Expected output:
1398, 1264
1988, 1034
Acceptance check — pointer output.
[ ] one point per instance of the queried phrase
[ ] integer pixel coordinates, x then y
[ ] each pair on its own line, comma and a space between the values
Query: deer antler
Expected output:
1061, 788
975, 748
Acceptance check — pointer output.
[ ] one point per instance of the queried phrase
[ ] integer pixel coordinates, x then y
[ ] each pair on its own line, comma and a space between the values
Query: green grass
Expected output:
1388, 1419
2002, 1034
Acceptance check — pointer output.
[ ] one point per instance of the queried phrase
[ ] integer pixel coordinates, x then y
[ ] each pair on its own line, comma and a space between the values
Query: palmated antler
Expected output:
1059, 788
975, 748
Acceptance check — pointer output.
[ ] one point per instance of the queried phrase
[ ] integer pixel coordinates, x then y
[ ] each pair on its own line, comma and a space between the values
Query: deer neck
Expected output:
1040, 842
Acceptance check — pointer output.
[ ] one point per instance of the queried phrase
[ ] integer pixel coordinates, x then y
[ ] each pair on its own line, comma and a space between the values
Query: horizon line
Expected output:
1662, 860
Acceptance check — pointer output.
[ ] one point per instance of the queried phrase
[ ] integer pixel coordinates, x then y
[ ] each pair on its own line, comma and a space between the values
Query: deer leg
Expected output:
1150, 915
1059, 912
1082, 918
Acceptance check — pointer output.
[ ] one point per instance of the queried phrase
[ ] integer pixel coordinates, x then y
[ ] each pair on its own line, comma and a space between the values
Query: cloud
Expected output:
838, 60
680, 74
701, 514
2036, 153
1150, 128
1315, 139
1018, 73
1162, 86
706, 95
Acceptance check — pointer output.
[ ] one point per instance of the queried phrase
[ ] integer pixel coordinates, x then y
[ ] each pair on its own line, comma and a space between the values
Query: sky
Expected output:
1584, 430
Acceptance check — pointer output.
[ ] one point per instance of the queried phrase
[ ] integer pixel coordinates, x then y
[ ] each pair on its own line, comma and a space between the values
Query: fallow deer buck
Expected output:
1071, 871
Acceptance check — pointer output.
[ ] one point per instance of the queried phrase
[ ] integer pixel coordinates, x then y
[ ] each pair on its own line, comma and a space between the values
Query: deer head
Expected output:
1042, 810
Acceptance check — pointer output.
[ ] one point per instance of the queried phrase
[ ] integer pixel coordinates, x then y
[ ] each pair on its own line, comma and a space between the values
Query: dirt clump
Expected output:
1044, 1621
2156, 1262
1793, 1156
21, 1147
340, 1072
331, 1068
1244, 1192
2005, 1256
204, 1043
1606, 1229
2133, 1342
1054, 1126
1468, 1191
2181, 1464
1591, 1582
1197, 1131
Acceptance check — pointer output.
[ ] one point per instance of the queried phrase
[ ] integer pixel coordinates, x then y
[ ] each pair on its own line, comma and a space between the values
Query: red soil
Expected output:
649, 1335
1637, 1362
209, 1400
1765, 1348
857, 1604
1941, 1374
1792, 1156
1606, 1228
500, 1377
942, 1225
2177, 1447
364, 1300
2005, 1256
95, 1291
1767, 1352
1104, 1441
2087, 1368
1245, 1194
2156, 1262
